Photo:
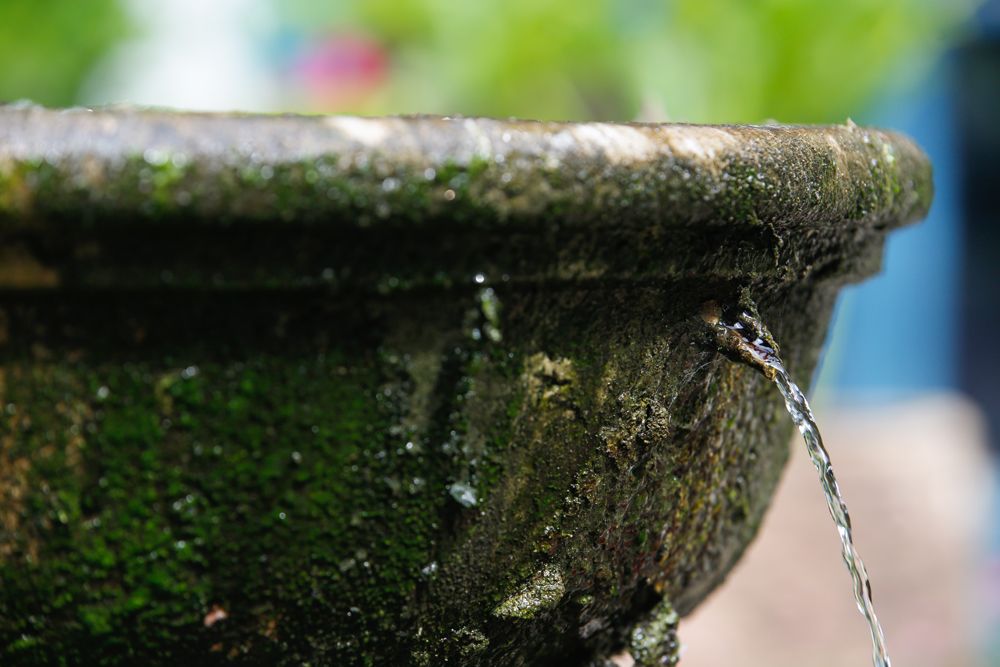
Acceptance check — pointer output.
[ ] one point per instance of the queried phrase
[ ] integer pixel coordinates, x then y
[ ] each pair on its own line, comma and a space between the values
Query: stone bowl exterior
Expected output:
337, 390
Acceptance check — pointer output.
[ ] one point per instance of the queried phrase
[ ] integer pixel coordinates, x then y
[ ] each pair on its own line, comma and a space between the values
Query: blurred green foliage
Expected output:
690, 60
791, 60
47, 47
683, 60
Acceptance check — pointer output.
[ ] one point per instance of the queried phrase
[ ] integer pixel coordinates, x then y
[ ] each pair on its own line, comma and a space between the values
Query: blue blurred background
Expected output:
909, 384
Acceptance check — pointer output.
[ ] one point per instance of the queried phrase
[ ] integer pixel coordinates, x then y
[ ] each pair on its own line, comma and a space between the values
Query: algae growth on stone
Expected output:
285, 390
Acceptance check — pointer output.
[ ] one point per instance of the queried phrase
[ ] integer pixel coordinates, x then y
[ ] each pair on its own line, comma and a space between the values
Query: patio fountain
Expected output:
338, 390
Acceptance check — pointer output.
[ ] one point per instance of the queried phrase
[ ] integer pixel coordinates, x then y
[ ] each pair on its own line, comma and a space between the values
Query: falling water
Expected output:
745, 337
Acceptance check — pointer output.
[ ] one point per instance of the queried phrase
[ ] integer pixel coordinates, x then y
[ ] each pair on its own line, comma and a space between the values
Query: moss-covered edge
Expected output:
160, 166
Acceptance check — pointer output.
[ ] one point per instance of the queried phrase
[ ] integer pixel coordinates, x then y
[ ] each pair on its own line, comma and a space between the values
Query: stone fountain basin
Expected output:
411, 390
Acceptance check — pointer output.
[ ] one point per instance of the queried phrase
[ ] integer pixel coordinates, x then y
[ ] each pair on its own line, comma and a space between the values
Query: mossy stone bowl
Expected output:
336, 390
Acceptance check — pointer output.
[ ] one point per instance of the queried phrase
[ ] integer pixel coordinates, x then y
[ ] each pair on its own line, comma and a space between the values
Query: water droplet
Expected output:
464, 494
449, 195
103, 392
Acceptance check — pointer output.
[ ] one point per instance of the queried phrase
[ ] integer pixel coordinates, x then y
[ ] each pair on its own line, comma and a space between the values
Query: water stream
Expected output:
743, 336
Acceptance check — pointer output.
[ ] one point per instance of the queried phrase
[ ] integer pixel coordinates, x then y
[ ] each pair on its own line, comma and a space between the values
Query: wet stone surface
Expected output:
283, 390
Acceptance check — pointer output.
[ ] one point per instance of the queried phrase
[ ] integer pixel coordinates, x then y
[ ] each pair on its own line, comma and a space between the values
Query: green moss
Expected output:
543, 591
188, 482
653, 642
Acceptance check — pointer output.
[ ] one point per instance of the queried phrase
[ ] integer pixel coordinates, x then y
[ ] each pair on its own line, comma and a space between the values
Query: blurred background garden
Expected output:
909, 390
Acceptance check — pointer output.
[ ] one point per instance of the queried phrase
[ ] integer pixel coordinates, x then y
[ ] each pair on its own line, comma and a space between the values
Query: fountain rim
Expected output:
147, 163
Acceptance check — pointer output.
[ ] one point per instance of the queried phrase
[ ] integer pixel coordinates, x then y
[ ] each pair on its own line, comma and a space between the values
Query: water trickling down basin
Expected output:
742, 335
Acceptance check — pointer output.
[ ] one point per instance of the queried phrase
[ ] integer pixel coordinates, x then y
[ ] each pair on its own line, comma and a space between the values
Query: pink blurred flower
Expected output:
342, 71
